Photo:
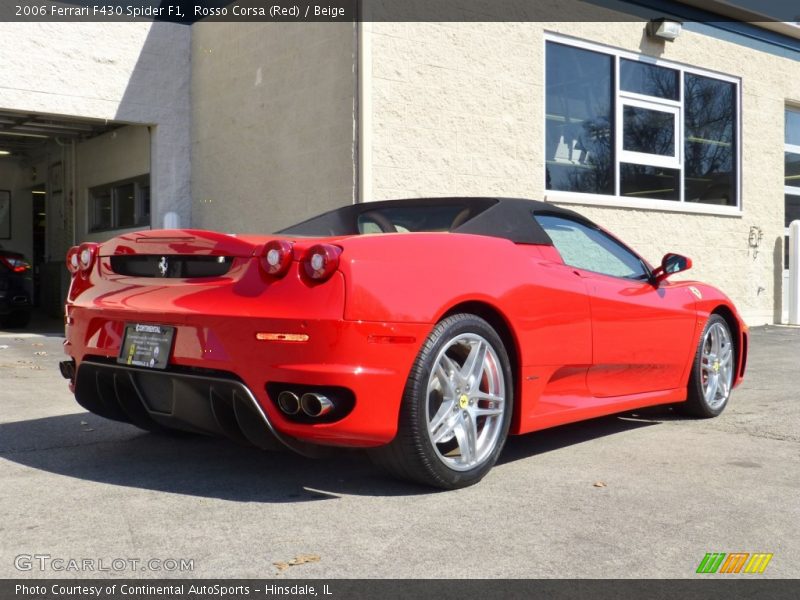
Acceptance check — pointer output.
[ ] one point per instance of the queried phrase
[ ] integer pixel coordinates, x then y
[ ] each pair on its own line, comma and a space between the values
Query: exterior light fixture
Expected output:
4, 152
664, 29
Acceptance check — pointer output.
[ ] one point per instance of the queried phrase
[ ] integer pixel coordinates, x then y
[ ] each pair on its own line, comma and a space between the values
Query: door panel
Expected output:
641, 335
555, 337
555, 321
641, 332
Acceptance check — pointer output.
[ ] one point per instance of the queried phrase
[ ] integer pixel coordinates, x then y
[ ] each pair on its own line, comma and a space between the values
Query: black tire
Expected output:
698, 403
412, 455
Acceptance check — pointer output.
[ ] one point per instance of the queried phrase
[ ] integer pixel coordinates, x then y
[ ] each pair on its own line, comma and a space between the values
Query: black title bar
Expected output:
701, 588
192, 11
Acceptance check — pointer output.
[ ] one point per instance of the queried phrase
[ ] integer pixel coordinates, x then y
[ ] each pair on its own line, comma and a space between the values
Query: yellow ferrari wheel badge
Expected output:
463, 401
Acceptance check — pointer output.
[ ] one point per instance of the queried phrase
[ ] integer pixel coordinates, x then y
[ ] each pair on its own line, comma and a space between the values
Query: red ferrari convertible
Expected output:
425, 331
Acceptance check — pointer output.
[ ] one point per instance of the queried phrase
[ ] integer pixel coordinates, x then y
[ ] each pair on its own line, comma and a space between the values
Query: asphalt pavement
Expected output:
643, 495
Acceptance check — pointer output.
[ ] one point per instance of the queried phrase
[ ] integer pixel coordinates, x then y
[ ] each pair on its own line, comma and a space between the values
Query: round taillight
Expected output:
86, 253
72, 260
321, 261
277, 257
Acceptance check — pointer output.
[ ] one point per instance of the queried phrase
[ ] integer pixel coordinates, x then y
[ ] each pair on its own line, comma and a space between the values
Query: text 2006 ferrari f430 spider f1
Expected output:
425, 331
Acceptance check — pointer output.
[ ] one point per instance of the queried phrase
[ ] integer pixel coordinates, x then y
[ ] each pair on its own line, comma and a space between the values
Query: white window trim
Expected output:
561, 197
643, 158
789, 190
794, 149
617, 200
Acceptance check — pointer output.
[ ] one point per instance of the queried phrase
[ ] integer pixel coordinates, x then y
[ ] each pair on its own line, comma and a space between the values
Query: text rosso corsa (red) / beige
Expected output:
269, 11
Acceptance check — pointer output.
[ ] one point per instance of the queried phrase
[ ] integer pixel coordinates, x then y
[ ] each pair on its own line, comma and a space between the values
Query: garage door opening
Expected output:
68, 179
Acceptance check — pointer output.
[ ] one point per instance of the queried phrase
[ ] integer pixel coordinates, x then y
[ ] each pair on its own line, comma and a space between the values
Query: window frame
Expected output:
789, 190
142, 218
644, 158
621, 97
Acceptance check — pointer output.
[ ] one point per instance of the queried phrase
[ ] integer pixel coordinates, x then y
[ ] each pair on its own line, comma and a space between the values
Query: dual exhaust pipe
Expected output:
312, 404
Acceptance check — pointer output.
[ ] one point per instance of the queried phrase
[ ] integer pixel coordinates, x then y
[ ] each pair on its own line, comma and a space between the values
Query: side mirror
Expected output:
671, 264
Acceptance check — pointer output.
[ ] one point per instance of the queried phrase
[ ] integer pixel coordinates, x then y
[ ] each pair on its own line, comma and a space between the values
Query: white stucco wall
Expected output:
458, 108
128, 72
114, 156
13, 180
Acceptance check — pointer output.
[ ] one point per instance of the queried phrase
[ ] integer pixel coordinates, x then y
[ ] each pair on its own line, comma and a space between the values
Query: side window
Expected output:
588, 248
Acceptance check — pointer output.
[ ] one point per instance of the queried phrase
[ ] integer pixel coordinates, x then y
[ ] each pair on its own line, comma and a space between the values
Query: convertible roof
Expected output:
509, 218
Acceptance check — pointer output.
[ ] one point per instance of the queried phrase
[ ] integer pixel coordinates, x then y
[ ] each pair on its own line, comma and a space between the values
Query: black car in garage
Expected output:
15, 289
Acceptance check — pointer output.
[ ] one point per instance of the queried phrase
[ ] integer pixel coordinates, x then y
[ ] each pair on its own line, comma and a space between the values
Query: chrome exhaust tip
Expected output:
288, 402
315, 405
67, 368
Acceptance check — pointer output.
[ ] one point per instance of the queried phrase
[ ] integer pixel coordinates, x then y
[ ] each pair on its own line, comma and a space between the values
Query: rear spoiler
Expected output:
179, 241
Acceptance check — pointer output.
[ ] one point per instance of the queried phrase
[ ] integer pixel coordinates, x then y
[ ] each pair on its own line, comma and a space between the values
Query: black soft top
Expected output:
509, 218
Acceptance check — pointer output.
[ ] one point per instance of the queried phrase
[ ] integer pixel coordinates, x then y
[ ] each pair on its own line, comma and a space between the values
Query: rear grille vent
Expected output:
170, 266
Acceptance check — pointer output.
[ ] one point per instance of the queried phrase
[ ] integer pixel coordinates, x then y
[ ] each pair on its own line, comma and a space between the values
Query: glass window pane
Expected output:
144, 205
643, 181
710, 140
792, 212
792, 126
647, 130
791, 169
126, 205
642, 78
101, 208
579, 107
588, 248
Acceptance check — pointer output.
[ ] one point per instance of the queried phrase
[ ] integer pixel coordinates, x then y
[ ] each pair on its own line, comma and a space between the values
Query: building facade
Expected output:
94, 134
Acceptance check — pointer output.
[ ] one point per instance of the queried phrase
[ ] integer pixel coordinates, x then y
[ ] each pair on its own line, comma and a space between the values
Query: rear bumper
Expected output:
217, 357
205, 403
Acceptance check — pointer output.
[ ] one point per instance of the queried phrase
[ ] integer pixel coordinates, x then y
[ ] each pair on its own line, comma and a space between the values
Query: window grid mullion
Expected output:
617, 130
793, 148
682, 126
113, 207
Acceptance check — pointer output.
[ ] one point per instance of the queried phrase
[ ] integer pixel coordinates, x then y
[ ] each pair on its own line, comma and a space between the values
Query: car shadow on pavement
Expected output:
519, 447
40, 325
88, 447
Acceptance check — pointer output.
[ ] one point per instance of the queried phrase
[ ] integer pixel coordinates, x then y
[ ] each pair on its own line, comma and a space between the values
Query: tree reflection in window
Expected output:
709, 140
678, 129
579, 120
650, 80
649, 131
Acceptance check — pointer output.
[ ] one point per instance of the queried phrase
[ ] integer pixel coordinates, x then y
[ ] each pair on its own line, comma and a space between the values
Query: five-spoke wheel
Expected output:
466, 401
712, 372
456, 407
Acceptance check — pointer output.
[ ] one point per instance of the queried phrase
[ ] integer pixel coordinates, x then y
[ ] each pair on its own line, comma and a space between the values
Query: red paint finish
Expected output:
641, 335
585, 344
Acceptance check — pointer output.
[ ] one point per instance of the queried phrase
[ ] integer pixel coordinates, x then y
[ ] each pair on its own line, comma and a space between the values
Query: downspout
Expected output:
73, 192
364, 113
